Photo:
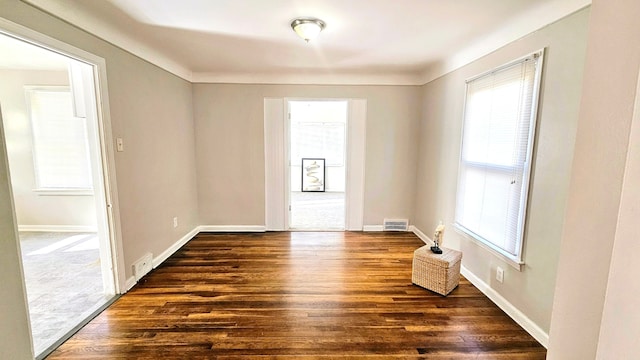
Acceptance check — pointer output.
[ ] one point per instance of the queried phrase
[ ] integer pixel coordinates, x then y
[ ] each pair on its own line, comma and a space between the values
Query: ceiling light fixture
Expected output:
307, 28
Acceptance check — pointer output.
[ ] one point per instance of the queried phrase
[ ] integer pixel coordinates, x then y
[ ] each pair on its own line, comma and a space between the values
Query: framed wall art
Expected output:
313, 175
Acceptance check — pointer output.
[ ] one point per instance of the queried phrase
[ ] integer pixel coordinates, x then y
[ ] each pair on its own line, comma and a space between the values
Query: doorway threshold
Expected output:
317, 230
76, 328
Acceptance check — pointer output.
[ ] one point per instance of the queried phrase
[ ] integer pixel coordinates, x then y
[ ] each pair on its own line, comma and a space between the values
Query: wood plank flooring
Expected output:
328, 295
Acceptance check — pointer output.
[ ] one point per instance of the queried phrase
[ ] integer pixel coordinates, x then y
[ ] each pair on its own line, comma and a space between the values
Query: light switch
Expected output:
119, 144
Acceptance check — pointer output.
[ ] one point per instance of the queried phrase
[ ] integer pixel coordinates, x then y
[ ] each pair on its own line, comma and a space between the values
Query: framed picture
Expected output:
313, 174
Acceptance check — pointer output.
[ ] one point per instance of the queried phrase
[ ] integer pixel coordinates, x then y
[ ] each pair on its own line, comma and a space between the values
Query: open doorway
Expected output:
51, 131
317, 164
277, 159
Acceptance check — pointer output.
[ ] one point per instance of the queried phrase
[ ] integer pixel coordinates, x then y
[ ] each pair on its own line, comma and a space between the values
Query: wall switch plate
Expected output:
175, 222
119, 144
500, 274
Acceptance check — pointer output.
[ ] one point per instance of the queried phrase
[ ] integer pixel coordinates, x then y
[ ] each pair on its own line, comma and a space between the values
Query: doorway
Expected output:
317, 164
276, 166
52, 131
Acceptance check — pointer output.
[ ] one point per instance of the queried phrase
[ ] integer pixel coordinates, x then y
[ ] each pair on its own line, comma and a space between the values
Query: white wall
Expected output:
152, 111
531, 290
595, 213
230, 148
31, 208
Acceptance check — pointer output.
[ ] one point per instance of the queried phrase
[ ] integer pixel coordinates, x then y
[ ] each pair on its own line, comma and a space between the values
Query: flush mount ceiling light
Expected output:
307, 28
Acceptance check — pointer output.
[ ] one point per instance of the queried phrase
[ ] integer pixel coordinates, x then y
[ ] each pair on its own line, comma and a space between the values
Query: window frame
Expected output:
516, 261
39, 188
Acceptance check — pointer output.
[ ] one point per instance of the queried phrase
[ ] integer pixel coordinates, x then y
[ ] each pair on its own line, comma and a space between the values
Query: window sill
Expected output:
516, 264
63, 192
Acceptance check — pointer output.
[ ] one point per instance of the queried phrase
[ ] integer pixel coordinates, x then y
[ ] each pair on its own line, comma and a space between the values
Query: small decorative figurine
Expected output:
437, 239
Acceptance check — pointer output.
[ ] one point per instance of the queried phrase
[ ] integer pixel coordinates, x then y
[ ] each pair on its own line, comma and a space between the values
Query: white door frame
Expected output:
105, 188
356, 156
276, 138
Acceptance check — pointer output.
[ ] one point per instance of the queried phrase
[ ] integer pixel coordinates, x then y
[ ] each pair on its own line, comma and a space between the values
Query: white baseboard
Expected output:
173, 248
232, 228
425, 239
131, 282
57, 228
190, 235
527, 324
522, 320
155, 262
372, 228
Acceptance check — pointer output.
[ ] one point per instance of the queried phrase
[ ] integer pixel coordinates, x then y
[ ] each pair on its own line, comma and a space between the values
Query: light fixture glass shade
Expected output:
307, 28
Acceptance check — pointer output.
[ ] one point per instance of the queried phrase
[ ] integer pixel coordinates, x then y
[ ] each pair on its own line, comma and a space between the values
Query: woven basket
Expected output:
436, 272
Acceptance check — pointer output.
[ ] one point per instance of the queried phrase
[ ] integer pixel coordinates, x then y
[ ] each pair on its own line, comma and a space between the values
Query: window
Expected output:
60, 148
321, 140
318, 130
495, 160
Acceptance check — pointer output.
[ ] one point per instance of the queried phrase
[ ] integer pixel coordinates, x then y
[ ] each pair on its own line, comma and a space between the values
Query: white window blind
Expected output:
60, 145
497, 142
318, 140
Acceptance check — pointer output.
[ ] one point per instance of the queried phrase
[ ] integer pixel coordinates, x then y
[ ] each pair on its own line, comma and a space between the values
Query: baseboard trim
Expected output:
527, 324
155, 262
131, 282
175, 247
232, 228
425, 239
513, 312
373, 228
57, 228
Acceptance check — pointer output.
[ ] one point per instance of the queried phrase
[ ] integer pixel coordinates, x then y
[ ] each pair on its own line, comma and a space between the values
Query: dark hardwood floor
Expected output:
328, 295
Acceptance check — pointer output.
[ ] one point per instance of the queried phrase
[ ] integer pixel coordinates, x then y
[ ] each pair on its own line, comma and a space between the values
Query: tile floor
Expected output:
317, 210
63, 280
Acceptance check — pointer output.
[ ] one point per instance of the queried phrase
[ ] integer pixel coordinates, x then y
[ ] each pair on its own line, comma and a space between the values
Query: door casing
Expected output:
276, 137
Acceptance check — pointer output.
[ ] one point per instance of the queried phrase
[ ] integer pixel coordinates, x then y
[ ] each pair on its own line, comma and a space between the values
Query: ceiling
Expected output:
18, 55
365, 41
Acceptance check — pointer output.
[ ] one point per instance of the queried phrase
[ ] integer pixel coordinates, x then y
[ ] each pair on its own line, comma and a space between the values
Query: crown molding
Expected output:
94, 25
516, 28
319, 78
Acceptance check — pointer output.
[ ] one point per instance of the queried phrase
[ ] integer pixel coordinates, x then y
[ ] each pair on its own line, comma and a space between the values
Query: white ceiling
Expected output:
18, 55
365, 41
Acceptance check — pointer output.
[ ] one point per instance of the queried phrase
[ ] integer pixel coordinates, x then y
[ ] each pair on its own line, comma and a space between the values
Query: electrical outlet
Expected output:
500, 274
175, 222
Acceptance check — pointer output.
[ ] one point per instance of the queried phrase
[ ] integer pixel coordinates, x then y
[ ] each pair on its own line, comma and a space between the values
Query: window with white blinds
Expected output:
318, 130
318, 140
495, 160
60, 147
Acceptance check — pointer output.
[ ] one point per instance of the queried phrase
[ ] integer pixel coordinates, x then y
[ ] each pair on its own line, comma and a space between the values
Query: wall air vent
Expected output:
396, 225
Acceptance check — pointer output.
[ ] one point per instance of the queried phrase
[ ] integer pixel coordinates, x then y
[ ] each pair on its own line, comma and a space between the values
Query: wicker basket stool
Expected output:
437, 272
